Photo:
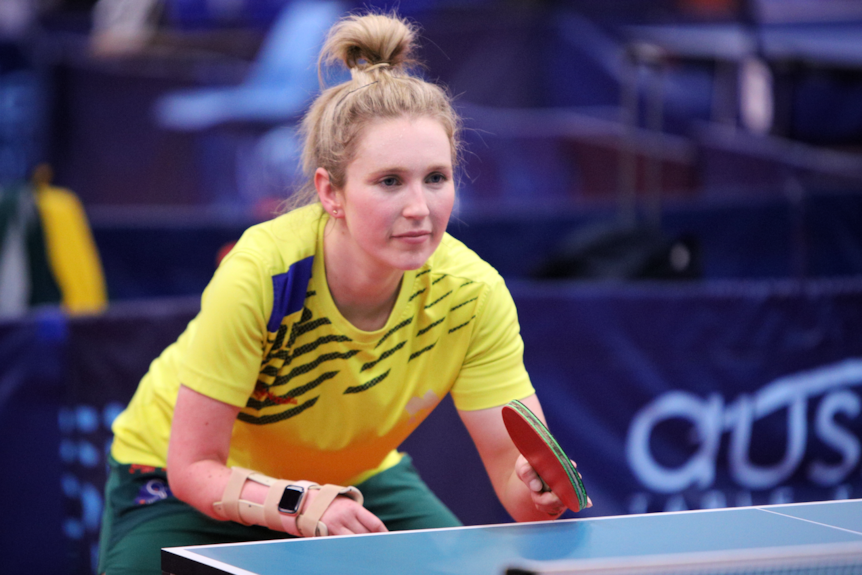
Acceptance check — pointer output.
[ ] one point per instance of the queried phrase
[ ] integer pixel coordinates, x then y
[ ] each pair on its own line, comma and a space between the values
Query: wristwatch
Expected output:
291, 499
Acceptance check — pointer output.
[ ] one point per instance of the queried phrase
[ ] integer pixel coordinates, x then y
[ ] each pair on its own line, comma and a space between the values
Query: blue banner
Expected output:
32, 354
703, 396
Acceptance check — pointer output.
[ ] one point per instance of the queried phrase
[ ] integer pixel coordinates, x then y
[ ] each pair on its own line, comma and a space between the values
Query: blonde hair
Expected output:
378, 50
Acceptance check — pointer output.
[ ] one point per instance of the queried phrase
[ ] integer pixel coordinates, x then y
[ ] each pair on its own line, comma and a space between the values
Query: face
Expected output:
398, 194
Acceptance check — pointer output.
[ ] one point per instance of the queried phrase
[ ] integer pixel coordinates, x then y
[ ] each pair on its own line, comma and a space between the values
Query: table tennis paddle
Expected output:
542, 451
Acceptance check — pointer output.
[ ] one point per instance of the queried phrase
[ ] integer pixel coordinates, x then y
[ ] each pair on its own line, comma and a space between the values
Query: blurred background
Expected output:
672, 190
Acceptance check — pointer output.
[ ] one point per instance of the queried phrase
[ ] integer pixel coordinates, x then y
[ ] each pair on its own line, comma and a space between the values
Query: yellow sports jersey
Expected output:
322, 400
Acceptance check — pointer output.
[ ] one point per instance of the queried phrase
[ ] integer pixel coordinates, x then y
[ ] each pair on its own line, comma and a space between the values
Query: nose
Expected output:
416, 204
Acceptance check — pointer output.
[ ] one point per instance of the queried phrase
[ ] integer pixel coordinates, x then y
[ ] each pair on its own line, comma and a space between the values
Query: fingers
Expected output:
548, 502
347, 517
528, 475
353, 526
543, 498
370, 522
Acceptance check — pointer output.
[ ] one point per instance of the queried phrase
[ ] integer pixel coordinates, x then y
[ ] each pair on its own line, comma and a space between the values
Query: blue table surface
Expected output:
489, 549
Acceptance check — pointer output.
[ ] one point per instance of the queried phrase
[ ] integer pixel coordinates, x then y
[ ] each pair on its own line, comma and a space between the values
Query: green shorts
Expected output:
141, 515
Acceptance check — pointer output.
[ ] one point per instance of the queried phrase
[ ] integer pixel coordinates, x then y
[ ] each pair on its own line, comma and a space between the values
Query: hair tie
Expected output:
367, 69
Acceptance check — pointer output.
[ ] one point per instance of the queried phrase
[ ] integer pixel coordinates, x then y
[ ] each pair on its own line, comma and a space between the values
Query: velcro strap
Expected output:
308, 523
353, 493
229, 505
262, 479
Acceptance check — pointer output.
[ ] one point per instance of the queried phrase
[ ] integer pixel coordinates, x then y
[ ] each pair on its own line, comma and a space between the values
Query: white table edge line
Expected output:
810, 521
182, 552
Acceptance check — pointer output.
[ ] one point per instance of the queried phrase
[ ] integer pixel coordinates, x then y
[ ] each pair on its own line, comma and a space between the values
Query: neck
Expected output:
364, 294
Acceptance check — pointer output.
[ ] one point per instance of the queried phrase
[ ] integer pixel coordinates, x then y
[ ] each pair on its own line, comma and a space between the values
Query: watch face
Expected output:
291, 499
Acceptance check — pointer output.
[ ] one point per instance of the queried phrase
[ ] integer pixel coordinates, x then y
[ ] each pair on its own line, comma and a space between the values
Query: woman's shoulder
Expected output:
454, 258
284, 240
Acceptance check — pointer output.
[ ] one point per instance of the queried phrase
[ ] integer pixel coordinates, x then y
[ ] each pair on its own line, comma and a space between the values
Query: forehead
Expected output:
396, 140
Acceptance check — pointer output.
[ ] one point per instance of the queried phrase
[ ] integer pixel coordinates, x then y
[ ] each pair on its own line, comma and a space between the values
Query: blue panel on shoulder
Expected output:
288, 291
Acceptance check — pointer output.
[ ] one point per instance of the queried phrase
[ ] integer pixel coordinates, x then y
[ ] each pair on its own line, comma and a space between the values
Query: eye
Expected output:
389, 181
435, 178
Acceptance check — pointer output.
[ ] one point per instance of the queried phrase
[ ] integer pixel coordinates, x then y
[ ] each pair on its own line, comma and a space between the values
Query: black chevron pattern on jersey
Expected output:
416, 354
404, 323
284, 352
367, 385
291, 394
300, 329
464, 303
288, 357
297, 329
457, 327
303, 389
306, 313
419, 333
439, 299
276, 342
281, 355
281, 351
383, 356
430, 326
306, 367
276, 417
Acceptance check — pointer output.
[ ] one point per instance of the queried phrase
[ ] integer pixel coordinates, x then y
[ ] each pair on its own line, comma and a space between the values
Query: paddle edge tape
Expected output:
571, 471
540, 427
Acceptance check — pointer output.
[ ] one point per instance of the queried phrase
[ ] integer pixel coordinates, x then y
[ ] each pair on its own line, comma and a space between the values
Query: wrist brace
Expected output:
307, 519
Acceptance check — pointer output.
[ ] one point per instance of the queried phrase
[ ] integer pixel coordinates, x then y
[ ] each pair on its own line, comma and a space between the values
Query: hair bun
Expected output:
360, 42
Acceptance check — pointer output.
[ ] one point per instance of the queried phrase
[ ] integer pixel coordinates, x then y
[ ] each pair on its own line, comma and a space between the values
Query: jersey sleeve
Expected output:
224, 354
493, 371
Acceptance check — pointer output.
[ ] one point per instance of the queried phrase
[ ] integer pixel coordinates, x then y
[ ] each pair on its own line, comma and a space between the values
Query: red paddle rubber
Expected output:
542, 451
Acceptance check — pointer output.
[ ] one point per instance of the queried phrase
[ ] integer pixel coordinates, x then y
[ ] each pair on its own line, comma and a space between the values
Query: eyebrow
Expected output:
401, 170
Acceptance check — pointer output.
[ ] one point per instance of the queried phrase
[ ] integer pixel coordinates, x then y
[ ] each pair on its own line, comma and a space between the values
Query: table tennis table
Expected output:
802, 533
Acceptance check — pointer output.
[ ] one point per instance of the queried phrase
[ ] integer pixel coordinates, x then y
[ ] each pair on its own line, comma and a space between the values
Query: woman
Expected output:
325, 337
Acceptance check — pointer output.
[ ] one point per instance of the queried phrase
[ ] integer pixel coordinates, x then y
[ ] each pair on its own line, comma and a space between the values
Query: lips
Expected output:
415, 236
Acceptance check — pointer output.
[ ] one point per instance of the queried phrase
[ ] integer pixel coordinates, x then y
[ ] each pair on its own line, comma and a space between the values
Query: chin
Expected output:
412, 265
412, 262
411, 259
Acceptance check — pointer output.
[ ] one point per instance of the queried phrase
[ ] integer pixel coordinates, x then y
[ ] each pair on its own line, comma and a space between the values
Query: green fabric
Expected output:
43, 285
8, 210
134, 530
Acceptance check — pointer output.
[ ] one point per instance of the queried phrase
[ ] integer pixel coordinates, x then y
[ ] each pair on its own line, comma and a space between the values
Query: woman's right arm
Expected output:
198, 472
198, 451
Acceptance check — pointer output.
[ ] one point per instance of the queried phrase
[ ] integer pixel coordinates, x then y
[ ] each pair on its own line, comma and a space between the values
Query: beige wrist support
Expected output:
308, 523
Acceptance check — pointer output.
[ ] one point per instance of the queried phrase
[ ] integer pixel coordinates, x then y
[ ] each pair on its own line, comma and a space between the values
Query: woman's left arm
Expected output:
516, 483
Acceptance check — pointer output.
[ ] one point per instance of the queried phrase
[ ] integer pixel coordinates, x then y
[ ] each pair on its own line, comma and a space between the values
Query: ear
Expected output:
329, 196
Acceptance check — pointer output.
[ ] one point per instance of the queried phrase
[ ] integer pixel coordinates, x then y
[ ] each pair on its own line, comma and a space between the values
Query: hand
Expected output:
344, 516
543, 498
